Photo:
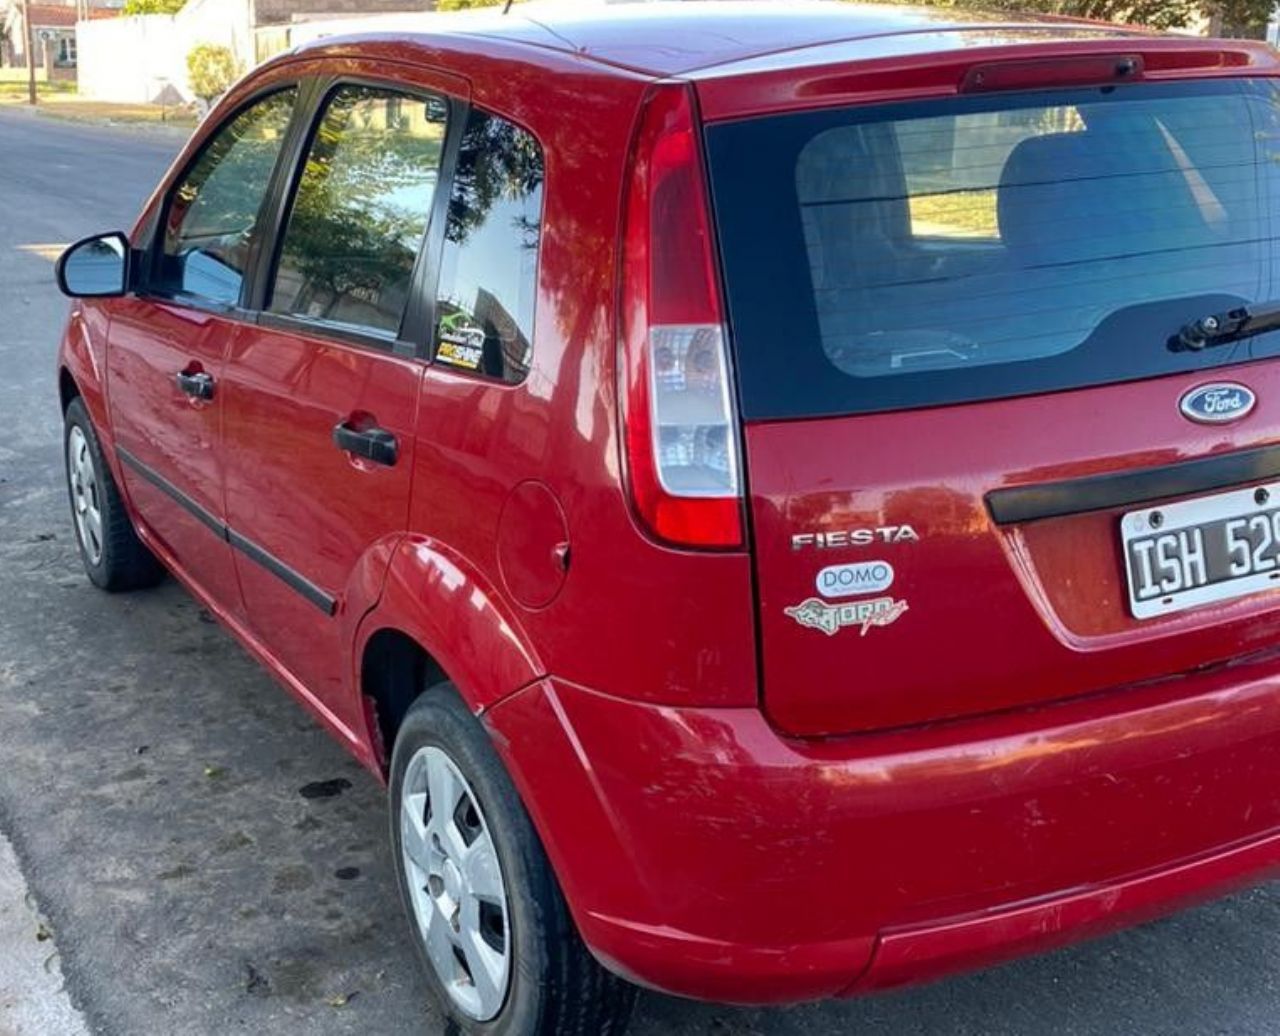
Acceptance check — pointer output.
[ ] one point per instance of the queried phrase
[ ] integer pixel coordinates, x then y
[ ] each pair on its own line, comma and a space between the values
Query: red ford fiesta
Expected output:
787, 495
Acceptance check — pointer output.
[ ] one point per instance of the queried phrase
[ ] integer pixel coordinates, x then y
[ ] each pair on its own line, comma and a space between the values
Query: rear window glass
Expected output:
889, 257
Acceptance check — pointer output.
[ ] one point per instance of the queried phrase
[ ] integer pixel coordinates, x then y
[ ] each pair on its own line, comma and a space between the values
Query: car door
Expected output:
321, 396
168, 345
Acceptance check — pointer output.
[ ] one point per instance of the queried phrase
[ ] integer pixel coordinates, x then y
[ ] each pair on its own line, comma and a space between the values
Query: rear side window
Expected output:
488, 273
211, 223
360, 211
987, 247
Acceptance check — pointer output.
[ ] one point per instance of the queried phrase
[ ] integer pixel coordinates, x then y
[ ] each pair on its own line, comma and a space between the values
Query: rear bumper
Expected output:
704, 854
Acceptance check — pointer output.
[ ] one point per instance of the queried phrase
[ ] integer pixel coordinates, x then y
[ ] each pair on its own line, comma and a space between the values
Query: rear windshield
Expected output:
887, 257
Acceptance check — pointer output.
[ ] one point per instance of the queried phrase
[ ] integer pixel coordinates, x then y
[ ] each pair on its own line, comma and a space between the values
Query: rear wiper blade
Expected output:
1231, 326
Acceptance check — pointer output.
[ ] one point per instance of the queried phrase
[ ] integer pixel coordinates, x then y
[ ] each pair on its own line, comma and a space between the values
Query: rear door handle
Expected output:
373, 444
197, 385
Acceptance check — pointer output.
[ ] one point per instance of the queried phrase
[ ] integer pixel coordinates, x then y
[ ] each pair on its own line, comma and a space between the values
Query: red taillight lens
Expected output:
681, 427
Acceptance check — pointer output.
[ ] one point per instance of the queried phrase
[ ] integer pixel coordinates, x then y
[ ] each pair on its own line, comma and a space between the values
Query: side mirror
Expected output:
97, 267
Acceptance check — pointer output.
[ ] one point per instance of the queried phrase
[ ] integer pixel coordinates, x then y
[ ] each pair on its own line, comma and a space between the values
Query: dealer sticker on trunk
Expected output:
832, 618
855, 579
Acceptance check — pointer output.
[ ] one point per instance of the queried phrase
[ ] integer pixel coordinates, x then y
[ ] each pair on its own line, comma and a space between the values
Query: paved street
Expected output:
159, 790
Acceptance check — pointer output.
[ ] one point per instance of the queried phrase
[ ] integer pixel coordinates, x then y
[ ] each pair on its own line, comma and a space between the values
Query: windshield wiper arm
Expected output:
1231, 326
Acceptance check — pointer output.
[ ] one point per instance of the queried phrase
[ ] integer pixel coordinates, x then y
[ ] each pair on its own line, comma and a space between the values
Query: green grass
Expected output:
107, 111
10, 89
963, 214
66, 104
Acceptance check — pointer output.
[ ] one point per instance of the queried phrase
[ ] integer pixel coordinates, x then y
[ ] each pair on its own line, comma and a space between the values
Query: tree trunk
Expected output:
30, 47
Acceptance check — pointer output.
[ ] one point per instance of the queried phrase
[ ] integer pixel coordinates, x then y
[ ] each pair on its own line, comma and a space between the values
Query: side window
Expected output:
360, 210
488, 273
212, 220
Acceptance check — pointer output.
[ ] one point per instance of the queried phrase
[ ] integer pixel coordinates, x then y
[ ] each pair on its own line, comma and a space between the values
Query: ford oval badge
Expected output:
1218, 402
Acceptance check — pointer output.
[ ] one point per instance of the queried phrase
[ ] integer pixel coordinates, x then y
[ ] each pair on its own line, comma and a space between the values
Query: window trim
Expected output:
418, 326
243, 310
409, 341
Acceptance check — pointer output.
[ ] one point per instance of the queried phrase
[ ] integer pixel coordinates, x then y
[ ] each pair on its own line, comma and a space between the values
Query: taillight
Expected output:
683, 468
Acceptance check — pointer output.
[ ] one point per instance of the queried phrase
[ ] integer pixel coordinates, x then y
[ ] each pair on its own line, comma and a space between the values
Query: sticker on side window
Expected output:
460, 343
832, 618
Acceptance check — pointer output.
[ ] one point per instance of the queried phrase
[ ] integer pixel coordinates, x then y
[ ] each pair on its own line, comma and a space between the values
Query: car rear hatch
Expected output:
955, 324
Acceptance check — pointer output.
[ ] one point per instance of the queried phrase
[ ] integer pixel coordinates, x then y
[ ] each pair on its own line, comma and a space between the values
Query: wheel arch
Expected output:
395, 670
437, 619
67, 388
81, 364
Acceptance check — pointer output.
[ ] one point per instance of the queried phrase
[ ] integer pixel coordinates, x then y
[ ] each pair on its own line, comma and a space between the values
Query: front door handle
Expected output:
373, 444
197, 384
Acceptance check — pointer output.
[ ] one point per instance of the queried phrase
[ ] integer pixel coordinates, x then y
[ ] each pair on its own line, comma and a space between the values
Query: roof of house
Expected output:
676, 37
60, 16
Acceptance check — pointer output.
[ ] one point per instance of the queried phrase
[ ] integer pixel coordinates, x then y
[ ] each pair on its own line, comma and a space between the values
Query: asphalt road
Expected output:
151, 775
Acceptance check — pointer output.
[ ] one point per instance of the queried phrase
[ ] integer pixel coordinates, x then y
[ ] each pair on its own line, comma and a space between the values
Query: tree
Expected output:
496, 160
1159, 14
211, 69
153, 6
1247, 18
1227, 17
362, 202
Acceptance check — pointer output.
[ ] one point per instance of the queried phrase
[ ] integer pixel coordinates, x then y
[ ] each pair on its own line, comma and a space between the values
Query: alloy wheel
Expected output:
456, 886
86, 505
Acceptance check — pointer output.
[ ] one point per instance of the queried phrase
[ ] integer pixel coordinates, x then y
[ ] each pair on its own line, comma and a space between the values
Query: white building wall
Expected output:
134, 59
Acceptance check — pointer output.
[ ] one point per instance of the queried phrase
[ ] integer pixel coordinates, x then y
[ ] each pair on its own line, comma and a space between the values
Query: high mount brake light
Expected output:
683, 467
1069, 70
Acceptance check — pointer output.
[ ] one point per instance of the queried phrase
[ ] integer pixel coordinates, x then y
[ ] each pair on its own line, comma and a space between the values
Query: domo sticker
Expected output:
858, 577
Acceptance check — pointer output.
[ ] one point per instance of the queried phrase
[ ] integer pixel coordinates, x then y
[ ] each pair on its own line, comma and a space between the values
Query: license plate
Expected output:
1181, 555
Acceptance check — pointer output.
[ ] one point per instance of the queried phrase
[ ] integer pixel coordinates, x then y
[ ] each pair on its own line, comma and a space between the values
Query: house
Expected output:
139, 58
281, 24
53, 24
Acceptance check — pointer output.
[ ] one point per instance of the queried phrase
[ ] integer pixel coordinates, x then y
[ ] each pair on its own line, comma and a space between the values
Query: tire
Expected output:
553, 986
114, 558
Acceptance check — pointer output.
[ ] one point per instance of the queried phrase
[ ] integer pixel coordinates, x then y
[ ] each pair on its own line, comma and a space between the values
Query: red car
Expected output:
786, 495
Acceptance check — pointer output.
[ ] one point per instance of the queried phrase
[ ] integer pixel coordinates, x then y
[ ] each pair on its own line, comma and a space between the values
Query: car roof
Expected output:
682, 37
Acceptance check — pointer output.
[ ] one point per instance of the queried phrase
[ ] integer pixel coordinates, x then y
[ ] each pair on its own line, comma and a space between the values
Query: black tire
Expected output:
123, 563
556, 988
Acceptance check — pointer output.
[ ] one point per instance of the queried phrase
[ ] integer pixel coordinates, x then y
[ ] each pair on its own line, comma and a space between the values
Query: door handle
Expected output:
373, 444
197, 385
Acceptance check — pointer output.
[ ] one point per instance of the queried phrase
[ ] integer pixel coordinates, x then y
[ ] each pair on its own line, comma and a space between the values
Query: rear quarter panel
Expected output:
631, 617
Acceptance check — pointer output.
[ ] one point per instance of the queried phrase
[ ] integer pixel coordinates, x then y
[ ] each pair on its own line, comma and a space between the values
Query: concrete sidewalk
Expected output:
32, 999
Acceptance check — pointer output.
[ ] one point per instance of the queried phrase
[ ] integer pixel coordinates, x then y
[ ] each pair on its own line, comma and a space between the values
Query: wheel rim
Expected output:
85, 502
456, 888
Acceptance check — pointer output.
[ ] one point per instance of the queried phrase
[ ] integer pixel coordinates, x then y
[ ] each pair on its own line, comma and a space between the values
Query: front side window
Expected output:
488, 273
212, 221
360, 211
986, 247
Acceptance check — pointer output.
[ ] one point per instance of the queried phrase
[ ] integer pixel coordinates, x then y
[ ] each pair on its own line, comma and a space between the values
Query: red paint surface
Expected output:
675, 830
172, 433
533, 545
1078, 780
295, 494
998, 618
